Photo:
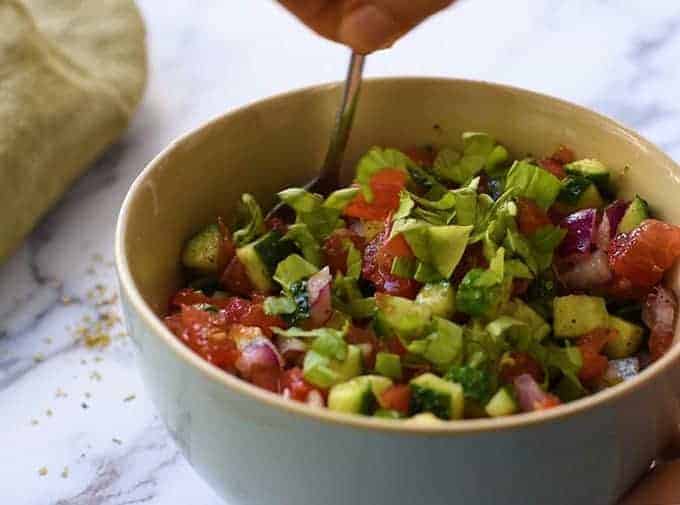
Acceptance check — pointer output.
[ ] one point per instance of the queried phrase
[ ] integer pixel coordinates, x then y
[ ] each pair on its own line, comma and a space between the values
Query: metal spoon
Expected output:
329, 176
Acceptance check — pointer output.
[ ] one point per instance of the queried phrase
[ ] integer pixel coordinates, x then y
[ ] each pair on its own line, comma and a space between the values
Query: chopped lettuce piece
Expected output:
441, 247
403, 266
332, 345
375, 160
295, 332
402, 317
340, 199
406, 205
517, 269
321, 220
276, 305
294, 268
388, 364
304, 240
443, 346
300, 200
249, 221
532, 182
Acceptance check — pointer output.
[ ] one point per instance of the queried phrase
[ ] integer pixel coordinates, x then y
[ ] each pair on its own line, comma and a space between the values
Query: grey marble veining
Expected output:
80, 413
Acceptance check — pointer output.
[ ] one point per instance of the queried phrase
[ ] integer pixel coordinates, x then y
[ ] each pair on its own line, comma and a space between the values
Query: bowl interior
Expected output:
281, 141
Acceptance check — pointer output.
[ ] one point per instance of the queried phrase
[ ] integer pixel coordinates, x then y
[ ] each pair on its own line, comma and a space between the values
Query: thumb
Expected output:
372, 25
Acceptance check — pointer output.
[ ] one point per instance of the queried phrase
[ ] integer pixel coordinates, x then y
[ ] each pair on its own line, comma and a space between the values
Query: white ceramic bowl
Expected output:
257, 448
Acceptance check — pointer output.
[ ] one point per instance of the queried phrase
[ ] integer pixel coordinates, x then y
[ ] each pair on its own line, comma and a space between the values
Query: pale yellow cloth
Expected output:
72, 73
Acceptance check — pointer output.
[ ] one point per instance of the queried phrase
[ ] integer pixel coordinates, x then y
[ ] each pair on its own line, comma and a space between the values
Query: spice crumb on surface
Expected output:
95, 376
60, 393
88, 394
49, 413
117, 441
38, 357
48, 340
42, 471
129, 398
34, 422
64, 473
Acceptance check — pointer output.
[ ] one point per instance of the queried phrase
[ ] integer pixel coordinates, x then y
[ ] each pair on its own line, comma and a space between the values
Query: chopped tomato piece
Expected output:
294, 382
395, 346
235, 278
377, 266
659, 343
563, 155
553, 166
520, 363
530, 216
591, 345
548, 402
386, 186
423, 156
335, 249
248, 313
397, 247
397, 397
643, 255
205, 333
366, 338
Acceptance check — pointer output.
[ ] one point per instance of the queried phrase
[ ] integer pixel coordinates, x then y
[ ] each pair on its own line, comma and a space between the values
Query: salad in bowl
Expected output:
440, 284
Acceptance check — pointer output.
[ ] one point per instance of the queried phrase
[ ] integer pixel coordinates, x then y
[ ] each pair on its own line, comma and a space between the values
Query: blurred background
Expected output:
76, 426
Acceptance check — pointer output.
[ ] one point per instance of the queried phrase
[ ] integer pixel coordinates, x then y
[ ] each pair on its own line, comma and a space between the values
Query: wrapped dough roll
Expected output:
72, 72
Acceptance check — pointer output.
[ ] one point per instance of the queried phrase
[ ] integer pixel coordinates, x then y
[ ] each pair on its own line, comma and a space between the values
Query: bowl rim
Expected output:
444, 428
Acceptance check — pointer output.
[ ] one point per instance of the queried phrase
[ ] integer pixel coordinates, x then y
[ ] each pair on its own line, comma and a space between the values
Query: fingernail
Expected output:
367, 29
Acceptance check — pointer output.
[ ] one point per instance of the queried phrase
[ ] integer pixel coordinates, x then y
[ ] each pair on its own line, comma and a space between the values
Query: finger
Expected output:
322, 16
372, 25
660, 487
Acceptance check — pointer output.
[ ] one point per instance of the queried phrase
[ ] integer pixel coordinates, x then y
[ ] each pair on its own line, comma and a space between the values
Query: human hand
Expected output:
364, 25
660, 487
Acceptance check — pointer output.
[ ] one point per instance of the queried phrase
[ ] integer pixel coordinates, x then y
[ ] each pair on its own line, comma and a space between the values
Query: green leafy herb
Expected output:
477, 382
534, 183
293, 269
299, 233
475, 297
250, 222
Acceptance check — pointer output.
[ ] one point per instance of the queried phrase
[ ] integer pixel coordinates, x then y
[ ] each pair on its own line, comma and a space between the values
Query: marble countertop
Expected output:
76, 425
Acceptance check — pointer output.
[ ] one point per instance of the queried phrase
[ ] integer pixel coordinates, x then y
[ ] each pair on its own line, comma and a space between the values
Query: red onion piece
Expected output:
659, 310
590, 271
260, 354
603, 235
530, 395
317, 282
319, 292
581, 229
614, 213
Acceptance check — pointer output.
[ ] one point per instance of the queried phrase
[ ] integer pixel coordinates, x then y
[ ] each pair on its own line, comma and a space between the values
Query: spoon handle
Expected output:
329, 177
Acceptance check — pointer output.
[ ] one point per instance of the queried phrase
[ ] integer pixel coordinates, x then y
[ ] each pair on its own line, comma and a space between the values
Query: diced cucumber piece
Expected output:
578, 193
501, 404
433, 394
324, 372
424, 419
402, 317
576, 315
358, 395
261, 257
440, 297
628, 340
202, 250
590, 169
388, 364
637, 211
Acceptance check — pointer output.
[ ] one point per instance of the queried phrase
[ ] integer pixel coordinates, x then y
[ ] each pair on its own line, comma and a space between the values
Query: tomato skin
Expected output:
591, 345
395, 346
397, 397
235, 279
549, 402
335, 250
423, 156
531, 217
188, 296
386, 186
247, 313
298, 388
377, 266
563, 155
523, 363
554, 167
643, 255
659, 343
205, 333
397, 247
